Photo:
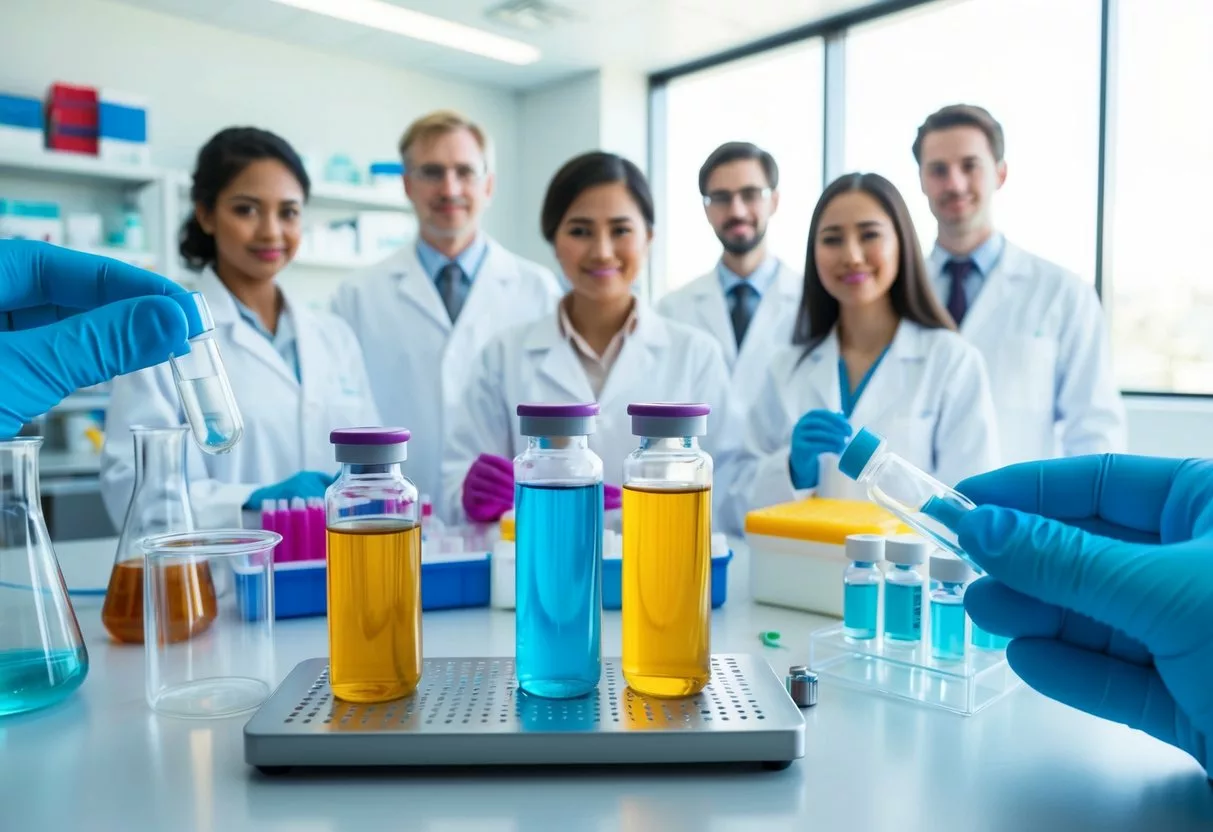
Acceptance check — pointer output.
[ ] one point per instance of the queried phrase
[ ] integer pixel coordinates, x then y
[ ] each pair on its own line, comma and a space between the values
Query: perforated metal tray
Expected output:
468, 711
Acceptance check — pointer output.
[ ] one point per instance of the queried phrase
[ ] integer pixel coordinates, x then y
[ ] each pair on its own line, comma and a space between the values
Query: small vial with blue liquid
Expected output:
983, 640
558, 519
919, 500
861, 586
949, 577
903, 588
206, 394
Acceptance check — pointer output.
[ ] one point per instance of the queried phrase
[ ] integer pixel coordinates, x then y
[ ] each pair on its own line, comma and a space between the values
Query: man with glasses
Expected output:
749, 301
423, 315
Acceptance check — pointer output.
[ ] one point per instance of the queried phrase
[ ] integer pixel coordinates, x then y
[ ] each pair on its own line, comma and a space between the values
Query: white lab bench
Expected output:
102, 761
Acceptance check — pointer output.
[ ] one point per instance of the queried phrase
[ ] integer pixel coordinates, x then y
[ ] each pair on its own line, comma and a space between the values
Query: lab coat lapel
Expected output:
994, 293
557, 363
415, 286
819, 369
713, 315
784, 291
642, 352
889, 384
243, 336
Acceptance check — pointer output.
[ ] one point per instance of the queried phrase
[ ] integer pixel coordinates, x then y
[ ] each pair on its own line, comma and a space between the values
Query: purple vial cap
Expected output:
669, 410
559, 411
369, 436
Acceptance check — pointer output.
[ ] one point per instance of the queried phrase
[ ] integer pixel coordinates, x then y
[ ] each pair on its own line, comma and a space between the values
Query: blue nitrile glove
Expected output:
1110, 611
303, 484
818, 432
70, 320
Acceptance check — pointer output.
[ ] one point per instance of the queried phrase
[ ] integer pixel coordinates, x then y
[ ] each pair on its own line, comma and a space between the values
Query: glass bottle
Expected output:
667, 552
922, 502
160, 504
950, 576
903, 588
374, 568
558, 567
42, 654
861, 585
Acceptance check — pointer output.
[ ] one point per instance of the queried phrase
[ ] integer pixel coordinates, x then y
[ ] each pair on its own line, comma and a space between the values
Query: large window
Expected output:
1034, 64
1157, 288
773, 100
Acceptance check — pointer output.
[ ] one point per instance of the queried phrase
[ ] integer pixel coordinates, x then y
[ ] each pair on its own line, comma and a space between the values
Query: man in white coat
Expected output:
423, 315
1039, 327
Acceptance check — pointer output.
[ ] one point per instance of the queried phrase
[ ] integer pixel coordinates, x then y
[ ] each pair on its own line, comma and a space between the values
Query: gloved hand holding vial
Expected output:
206, 394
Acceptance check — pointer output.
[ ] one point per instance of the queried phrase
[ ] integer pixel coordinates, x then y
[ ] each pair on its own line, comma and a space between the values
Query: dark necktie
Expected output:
958, 301
452, 285
743, 297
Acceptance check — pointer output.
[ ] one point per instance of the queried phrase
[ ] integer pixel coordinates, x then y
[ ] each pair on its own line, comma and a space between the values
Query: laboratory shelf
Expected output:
469, 712
76, 167
963, 686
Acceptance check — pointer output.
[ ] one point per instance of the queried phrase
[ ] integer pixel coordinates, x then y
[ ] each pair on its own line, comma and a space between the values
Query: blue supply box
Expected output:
612, 581
301, 587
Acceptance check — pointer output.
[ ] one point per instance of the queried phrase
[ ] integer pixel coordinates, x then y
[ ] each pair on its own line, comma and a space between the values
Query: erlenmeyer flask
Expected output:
160, 504
42, 656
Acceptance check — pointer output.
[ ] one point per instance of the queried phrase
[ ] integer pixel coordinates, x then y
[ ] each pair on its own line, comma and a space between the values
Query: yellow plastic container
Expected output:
798, 549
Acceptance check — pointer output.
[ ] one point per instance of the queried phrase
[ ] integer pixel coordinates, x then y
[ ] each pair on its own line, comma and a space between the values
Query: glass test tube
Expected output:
206, 394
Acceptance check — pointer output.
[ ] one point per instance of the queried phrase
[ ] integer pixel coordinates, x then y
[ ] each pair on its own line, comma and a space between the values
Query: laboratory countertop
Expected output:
103, 761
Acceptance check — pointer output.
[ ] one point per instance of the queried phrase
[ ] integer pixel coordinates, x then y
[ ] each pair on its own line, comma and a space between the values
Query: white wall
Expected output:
1170, 427
200, 79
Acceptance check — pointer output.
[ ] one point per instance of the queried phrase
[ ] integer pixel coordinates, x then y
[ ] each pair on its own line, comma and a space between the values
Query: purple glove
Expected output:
488, 488
612, 497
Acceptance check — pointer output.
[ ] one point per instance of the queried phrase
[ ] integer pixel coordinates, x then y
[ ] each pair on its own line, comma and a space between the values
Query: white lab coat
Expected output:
929, 397
661, 360
286, 424
1042, 333
418, 362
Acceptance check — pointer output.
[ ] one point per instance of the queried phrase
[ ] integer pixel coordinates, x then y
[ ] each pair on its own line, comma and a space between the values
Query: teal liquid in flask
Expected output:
42, 655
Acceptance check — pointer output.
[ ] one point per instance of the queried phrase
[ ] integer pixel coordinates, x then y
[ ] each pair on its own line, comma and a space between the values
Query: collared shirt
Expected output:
760, 280
284, 341
597, 367
985, 257
470, 259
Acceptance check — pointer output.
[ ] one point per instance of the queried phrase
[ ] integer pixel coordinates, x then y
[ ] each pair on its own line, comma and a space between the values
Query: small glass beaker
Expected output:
226, 668
160, 504
42, 655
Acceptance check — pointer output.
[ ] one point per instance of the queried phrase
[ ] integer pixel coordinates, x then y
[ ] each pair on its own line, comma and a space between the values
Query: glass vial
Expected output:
558, 552
949, 577
983, 640
206, 394
42, 655
667, 552
903, 587
374, 568
922, 502
861, 585
160, 504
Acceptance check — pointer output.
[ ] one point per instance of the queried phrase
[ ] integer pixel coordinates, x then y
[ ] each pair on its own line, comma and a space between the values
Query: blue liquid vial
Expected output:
949, 577
202, 384
861, 586
983, 640
558, 525
904, 588
919, 500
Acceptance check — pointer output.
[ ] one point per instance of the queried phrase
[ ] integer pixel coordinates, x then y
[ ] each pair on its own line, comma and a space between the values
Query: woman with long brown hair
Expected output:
872, 348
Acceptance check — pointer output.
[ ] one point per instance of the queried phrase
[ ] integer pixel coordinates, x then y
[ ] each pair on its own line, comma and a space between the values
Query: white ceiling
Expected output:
646, 35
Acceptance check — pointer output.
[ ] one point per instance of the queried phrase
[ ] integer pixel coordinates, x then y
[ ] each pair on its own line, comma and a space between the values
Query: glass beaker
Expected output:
160, 504
226, 666
42, 655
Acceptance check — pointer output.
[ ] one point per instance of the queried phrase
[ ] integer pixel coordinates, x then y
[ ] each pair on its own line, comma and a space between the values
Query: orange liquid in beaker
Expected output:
189, 595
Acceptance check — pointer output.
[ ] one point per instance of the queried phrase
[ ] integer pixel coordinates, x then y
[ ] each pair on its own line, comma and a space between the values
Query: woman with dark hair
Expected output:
872, 348
296, 373
602, 345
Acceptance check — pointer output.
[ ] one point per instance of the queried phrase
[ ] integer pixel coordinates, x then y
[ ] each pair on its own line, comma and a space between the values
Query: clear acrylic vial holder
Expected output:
909, 671
209, 647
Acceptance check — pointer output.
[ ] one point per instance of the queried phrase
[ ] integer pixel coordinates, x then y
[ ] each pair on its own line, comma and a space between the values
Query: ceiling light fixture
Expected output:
377, 14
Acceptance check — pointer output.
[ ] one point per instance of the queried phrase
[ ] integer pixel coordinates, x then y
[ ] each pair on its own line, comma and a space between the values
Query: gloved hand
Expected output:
818, 432
70, 320
488, 488
303, 484
1110, 611
612, 497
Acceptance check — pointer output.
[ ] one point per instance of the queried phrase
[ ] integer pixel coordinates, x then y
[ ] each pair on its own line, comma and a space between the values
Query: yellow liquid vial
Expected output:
374, 609
667, 592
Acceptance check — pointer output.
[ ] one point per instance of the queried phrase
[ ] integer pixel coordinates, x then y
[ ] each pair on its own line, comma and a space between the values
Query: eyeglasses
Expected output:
433, 174
723, 199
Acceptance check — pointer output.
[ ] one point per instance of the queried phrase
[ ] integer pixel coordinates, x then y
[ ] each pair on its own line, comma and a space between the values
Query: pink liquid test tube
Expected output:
286, 547
299, 535
269, 522
317, 528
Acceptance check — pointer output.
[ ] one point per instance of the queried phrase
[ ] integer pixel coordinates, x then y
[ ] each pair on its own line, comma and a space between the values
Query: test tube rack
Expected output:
469, 712
907, 670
